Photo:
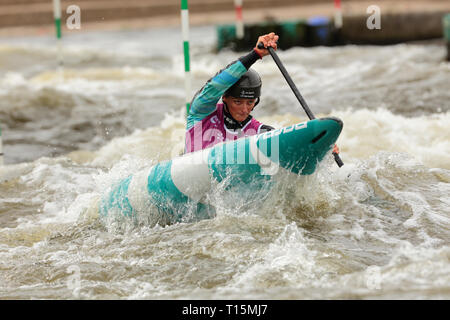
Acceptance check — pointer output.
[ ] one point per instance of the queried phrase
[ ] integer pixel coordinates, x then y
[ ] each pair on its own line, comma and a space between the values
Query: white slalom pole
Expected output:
239, 19
57, 17
187, 64
337, 14
1, 148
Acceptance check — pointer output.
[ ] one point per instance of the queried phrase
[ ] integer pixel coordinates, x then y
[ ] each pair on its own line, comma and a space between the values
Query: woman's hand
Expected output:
336, 149
268, 40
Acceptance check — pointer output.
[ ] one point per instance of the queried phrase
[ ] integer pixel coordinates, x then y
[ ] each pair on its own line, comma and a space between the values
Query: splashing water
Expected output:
376, 228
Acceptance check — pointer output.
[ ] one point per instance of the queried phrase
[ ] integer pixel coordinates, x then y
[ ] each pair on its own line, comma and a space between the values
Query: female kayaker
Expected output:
210, 122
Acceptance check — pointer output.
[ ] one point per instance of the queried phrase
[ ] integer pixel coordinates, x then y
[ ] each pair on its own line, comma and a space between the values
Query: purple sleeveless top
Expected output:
211, 130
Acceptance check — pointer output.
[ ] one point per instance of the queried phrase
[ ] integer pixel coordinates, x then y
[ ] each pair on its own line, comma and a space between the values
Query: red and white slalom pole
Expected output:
239, 20
337, 14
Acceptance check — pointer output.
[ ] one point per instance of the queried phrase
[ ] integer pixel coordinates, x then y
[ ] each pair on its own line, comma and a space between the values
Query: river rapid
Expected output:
377, 228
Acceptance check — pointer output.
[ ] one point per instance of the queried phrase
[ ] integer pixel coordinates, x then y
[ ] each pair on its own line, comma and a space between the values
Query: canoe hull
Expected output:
178, 187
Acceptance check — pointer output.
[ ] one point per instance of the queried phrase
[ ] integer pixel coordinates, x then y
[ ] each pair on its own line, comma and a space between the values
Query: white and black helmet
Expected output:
248, 86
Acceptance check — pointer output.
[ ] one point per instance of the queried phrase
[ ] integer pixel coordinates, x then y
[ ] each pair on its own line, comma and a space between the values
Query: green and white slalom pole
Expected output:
57, 17
187, 64
239, 19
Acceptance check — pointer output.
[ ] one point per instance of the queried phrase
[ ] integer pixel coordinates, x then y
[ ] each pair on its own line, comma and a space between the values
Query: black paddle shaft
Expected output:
296, 92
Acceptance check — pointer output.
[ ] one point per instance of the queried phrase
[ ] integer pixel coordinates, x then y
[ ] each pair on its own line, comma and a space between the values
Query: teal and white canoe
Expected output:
178, 188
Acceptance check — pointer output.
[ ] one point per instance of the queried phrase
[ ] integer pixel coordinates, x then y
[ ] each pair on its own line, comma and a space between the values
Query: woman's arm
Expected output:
205, 100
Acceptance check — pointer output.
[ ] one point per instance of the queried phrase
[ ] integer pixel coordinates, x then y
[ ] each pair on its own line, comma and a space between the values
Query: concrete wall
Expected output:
15, 13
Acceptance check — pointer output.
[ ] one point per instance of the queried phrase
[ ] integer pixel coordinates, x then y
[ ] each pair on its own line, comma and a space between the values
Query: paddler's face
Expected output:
239, 108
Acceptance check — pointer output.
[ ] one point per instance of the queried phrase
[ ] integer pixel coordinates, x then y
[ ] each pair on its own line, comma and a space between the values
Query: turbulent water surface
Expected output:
376, 228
